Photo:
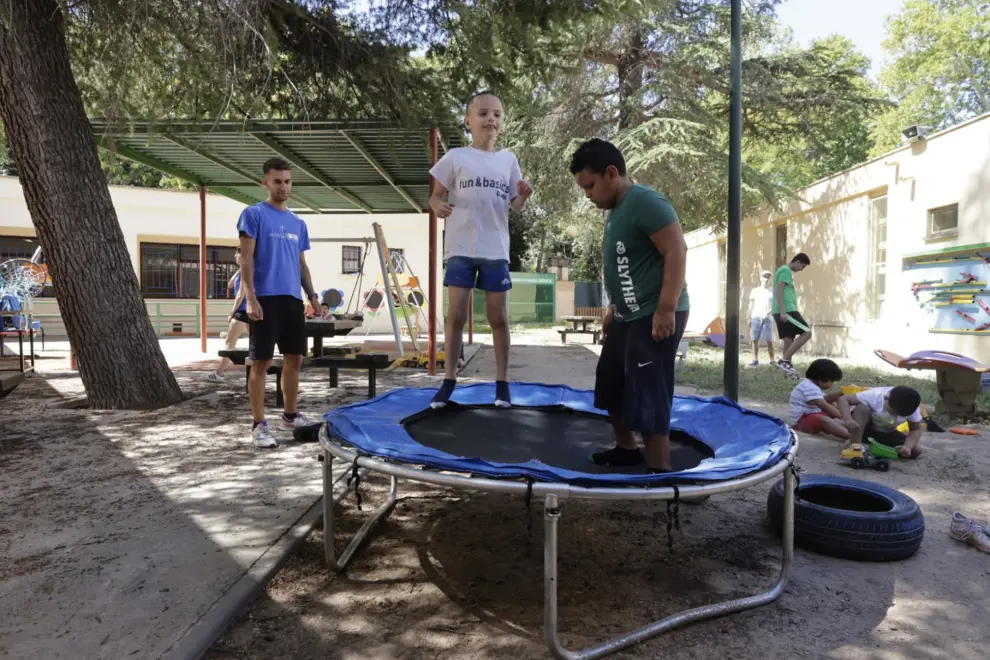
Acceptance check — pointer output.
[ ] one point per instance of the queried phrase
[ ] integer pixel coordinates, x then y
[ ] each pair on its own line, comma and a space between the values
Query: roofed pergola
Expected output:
339, 167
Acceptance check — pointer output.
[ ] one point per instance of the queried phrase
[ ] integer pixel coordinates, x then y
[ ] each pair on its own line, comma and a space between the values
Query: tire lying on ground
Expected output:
850, 519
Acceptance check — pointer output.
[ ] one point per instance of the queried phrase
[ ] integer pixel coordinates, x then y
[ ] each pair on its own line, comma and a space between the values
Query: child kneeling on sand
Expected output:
813, 411
878, 412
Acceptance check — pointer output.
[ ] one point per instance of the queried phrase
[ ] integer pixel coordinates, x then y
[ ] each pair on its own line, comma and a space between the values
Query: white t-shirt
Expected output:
801, 399
760, 300
480, 186
874, 397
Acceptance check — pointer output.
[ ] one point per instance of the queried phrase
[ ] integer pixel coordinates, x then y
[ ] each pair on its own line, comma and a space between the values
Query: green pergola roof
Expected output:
338, 167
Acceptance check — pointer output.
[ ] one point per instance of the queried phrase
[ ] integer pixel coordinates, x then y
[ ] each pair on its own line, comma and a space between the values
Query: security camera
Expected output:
915, 133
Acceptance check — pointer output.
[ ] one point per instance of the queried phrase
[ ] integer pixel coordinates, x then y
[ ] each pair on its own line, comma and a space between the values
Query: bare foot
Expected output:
916, 452
903, 452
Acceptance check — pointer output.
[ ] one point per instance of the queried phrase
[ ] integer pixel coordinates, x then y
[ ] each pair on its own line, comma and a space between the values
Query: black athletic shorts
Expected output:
788, 329
634, 380
283, 323
241, 315
888, 437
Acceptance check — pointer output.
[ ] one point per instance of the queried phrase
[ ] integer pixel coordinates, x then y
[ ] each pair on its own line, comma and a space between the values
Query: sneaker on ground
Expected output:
262, 436
969, 531
213, 375
754, 363
299, 420
785, 365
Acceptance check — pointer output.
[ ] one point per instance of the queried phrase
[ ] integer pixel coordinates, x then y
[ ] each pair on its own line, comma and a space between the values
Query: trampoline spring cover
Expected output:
742, 441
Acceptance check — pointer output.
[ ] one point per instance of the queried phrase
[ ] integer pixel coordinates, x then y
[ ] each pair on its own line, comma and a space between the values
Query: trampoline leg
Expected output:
338, 564
551, 635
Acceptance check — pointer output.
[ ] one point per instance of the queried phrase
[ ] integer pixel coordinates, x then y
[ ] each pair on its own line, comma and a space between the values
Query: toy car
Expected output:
874, 456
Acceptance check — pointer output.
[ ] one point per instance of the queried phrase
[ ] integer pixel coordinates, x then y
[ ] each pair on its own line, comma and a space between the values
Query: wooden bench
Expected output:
370, 362
595, 332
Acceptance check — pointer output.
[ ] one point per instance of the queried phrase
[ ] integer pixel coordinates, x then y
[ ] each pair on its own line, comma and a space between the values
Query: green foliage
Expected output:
939, 71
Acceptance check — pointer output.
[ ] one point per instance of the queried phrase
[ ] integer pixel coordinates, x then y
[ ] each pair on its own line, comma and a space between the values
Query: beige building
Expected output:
161, 229
919, 214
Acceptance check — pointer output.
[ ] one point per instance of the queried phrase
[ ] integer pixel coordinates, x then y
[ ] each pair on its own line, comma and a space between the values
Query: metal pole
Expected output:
432, 284
731, 367
202, 269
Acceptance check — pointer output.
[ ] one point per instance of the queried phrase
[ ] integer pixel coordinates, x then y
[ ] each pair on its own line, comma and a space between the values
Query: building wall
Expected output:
149, 215
831, 222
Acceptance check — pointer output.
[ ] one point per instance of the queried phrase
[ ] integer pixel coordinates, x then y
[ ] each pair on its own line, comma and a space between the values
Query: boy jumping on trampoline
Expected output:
644, 257
813, 411
878, 412
481, 185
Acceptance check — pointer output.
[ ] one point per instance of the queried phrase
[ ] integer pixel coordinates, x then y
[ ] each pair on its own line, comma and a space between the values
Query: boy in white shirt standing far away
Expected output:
481, 186
880, 410
761, 318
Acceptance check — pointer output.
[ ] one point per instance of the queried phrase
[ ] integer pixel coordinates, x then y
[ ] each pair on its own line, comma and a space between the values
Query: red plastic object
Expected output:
986, 308
965, 316
967, 278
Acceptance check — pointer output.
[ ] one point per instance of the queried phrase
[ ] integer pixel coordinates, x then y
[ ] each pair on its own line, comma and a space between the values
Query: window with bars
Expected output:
350, 259
22, 247
943, 221
172, 271
877, 283
398, 257
780, 246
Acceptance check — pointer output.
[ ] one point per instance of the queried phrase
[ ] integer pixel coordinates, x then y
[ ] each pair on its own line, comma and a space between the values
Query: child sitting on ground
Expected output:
878, 412
812, 411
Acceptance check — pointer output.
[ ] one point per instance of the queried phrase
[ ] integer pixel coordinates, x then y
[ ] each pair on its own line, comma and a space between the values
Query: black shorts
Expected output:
241, 315
887, 437
634, 380
789, 330
284, 323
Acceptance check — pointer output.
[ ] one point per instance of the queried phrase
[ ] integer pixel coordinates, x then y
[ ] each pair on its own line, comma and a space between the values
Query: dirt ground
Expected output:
458, 575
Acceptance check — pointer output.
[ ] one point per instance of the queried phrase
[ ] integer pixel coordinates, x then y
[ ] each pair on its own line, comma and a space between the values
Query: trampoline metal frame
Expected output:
553, 494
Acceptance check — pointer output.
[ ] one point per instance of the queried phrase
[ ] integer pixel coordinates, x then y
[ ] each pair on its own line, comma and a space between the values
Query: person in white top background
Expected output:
476, 187
761, 318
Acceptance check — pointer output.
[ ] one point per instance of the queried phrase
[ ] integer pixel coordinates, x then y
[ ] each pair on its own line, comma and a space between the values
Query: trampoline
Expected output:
540, 448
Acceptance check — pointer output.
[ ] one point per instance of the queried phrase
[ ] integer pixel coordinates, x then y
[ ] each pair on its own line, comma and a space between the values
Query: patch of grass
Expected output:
482, 327
703, 369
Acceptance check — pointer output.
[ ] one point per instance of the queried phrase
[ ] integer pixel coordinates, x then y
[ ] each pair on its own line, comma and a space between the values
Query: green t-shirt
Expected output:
633, 266
785, 275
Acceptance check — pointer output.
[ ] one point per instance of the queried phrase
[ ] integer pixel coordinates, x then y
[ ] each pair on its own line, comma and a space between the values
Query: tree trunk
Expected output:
630, 74
119, 358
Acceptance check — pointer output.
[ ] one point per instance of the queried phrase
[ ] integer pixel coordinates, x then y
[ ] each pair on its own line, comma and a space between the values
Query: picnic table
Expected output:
20, 332
330, 327
580, 326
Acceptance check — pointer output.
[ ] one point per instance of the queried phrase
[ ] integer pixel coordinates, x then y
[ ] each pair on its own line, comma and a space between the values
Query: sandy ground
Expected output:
459, 575
120, 529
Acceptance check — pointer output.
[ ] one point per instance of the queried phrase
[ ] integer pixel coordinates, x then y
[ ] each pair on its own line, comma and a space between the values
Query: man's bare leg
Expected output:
795, 346
256, 389
756, 351
623, 436
291, 365
770, 349
786, 344
495, 302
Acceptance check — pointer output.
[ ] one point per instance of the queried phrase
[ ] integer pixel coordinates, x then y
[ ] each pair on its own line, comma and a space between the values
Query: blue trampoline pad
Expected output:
549, 434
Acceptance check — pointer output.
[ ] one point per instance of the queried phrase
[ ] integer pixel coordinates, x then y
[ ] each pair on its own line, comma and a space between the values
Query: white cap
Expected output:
765, 273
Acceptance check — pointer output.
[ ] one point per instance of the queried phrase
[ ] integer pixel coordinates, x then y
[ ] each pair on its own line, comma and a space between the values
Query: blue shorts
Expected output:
484, 274
761, 329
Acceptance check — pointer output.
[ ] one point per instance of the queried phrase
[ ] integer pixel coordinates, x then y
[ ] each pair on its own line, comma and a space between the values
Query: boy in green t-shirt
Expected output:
644, 262
792, 329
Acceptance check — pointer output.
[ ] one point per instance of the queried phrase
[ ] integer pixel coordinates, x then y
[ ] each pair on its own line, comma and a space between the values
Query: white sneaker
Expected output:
262, 436
300, 420
213, 375
969, 531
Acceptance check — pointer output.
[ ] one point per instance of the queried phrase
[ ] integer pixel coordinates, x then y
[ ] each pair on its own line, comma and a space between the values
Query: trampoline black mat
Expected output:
555, 436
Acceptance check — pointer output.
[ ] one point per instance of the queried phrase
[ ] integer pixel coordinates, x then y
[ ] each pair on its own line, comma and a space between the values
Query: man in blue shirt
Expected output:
273, 270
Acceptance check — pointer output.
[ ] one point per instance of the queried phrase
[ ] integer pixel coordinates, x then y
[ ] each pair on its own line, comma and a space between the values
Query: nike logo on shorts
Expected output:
643, 364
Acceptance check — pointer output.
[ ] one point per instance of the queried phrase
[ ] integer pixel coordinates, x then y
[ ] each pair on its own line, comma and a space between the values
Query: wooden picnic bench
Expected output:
580, 327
